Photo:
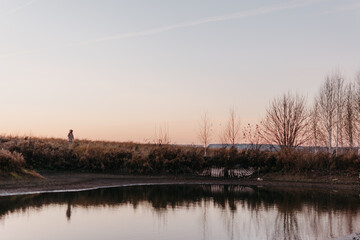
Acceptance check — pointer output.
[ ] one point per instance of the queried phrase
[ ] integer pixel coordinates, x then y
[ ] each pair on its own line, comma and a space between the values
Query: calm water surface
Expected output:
180, 212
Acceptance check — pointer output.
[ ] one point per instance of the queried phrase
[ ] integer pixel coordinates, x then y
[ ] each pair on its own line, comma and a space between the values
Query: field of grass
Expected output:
19, 155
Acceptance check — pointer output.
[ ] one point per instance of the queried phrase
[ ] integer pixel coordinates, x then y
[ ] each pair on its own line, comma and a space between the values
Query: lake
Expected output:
181, 212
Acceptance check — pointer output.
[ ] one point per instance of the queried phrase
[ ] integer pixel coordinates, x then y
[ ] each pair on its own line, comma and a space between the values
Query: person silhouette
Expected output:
71, 136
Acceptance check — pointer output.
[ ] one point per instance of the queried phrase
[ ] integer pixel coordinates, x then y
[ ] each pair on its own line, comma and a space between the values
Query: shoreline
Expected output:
74, 182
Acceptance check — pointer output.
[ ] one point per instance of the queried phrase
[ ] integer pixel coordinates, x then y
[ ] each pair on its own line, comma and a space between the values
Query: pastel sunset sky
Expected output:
116, 69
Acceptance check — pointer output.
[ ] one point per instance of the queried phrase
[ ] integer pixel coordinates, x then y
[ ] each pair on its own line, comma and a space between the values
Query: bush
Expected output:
11, 161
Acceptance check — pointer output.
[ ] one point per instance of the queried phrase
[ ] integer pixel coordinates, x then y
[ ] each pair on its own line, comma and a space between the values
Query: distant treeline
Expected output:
331, 122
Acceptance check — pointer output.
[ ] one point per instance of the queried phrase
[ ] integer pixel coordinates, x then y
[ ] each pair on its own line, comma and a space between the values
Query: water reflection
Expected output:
214, 211
68, 211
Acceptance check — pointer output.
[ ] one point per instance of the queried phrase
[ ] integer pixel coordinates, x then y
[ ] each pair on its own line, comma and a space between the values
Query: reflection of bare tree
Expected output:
228, 221
205, 205
286, 226
160, 216
239, 212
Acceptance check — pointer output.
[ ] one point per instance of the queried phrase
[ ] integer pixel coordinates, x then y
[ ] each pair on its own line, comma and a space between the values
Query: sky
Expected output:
120, 69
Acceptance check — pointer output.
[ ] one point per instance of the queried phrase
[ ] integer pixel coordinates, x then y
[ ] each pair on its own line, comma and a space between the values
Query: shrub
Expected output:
11, 161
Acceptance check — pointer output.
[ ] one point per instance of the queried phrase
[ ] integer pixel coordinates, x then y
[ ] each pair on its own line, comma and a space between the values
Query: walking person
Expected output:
71, 136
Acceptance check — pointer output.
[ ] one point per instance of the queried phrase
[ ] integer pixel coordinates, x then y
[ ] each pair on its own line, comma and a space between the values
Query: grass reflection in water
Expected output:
226, 211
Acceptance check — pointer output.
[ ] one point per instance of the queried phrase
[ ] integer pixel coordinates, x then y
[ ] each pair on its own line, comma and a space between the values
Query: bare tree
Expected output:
205, 131
232, 129
357, 105
339, 102
349, 115
252, 135
162, 135
317, 135
286, 122
327, 107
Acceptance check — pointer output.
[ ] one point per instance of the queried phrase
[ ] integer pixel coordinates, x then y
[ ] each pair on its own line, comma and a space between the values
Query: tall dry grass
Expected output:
133, 158
98, 156
11, 161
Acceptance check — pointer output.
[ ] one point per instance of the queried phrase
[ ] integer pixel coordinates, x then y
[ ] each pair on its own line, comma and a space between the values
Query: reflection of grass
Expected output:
173, 196
99, 156
291, 211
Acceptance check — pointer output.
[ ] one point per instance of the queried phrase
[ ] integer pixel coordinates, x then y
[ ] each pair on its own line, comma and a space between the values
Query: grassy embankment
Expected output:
19, 156
12, 164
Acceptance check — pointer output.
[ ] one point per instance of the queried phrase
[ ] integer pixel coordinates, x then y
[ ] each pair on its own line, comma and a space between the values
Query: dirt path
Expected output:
83, 181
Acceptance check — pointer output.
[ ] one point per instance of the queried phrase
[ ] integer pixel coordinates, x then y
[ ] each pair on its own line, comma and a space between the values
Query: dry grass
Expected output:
97, 156
13, 165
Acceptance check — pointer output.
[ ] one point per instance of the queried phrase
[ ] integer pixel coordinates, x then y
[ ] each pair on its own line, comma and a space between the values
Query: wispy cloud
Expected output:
11, 11
347, 8
220, 18
153, 31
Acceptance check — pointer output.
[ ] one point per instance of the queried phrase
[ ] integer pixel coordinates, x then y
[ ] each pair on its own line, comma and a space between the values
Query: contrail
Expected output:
18, 8
343, 9
221, 18
153, 31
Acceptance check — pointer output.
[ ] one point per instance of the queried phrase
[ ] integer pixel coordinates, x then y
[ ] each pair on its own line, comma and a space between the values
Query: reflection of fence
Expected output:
240, 189
217, 188
214, 189
220, 172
